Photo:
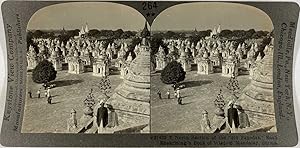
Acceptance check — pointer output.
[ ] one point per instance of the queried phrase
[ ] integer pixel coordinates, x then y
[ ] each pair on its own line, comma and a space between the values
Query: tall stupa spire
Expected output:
145, 33
219, 29
131, 99
86, 29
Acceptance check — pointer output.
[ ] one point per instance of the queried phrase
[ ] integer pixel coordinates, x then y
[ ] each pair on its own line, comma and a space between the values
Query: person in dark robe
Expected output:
100, 114
179, 99
243, 118
105, 117
233, 117
112, 117
30, 94
49, 99
159, 94
45, 86
38, 93
174, 86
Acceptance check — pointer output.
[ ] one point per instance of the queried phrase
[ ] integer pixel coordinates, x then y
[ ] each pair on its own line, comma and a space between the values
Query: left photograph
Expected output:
88, 70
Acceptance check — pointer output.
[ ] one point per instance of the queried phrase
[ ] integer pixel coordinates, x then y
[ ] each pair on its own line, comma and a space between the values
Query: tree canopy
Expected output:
44, 72
172, 73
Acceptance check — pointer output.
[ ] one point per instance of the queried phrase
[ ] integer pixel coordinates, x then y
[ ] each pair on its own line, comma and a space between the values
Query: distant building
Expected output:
55, 59
100, 66
204, 65
83, 32
75, 64
229, 67
161, 59
32, 58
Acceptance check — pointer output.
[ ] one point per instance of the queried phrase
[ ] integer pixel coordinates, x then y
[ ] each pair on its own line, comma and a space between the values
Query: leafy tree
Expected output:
38, 34
44, 72
127, 34
262, 46
93, 32
118, 33
226, 33
156, 41
172, 73
259, 34
249, 33
170, 34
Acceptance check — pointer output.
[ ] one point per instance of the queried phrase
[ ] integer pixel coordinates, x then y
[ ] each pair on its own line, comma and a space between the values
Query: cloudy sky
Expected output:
103, 15
98, 15
206, 15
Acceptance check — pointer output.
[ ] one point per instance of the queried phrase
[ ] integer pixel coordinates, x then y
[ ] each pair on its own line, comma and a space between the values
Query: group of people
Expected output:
38, 93
235, 118
176, 95
104, 116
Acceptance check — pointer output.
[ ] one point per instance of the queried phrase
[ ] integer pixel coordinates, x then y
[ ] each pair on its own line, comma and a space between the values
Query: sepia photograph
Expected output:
212, 69
149, 73
88, 70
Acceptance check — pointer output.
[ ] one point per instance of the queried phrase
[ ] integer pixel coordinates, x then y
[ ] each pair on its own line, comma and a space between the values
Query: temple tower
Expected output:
86, 57
100, 66
215, 58
204, 65
55, 59
257, 98
32, 59
75, 64
131, 99
185, 61
120, 57
161, 59
229, 67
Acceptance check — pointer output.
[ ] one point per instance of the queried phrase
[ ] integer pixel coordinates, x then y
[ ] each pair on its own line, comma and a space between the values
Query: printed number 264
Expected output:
149, 5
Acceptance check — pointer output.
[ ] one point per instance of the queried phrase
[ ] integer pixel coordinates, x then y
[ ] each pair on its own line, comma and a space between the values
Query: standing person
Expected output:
174, 86
112, 117
48, 91
159, 94
38, 93
99, 115
49, 99
45, 86
179, 99
178, 92
243, 117
30, 94
233, 117
168, 94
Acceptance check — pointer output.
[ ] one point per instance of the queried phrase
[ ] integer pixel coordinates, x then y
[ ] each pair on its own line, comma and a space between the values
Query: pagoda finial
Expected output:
145, 33
86, 28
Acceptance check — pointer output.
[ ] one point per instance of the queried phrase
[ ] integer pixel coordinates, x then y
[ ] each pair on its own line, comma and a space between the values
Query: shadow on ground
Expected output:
189, 84
66, 82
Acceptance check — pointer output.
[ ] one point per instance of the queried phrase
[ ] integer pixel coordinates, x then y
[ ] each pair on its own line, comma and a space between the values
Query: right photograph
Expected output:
212, 69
